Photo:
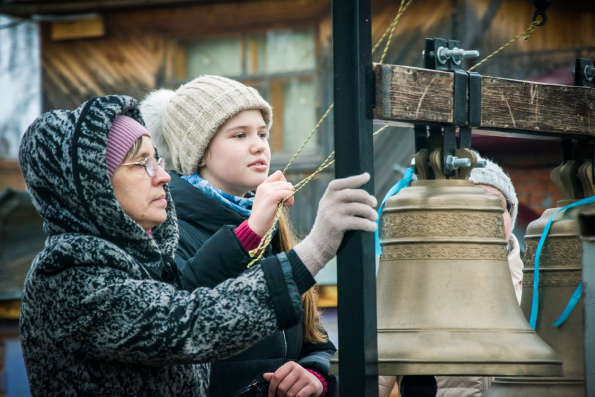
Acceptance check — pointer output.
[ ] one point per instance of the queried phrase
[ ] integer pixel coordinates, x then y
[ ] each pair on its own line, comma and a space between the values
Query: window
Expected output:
280, 64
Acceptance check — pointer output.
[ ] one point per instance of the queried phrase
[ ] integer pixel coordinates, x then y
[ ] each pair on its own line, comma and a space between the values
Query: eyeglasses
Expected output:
150, 164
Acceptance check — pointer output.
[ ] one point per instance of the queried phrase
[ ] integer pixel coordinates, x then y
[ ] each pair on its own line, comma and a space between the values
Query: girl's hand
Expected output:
268, 196
291, 379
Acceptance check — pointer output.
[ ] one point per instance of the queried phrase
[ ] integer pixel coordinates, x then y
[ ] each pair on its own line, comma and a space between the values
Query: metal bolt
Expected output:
457, 54
453, 163
481, 163
589, 72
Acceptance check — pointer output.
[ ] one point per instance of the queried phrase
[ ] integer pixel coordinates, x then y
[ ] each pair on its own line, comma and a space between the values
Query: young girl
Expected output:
215, 132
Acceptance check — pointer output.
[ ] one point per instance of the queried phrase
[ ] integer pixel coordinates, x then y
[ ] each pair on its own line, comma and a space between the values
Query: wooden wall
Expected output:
136, 53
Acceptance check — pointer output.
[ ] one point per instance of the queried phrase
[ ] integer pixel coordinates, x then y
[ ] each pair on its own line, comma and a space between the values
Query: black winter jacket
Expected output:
103, 311
207, 242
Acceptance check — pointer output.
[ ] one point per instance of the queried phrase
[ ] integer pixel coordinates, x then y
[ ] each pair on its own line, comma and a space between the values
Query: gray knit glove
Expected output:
343, 207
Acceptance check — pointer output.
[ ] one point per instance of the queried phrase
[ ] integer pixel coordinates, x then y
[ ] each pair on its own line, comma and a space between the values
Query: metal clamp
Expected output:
583, 73
441, 54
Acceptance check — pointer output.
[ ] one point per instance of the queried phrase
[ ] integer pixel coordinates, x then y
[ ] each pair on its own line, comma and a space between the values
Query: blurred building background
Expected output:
57, 54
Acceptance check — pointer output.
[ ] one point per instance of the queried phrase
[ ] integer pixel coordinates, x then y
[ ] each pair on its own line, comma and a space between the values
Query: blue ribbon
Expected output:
391, 192
571, 304
579, 290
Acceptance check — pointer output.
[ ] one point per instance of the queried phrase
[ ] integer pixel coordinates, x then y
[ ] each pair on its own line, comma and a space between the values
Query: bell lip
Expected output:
550, 369
539, 380
441, 182
528, 369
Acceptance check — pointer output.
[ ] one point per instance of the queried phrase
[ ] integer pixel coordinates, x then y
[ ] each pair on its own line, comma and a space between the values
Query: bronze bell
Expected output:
446, 304
560, 272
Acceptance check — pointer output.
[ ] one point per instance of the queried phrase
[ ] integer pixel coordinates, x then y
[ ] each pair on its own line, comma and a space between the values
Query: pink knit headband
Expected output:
124, 132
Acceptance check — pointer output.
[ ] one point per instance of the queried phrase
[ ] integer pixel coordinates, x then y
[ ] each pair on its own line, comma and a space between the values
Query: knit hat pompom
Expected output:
153, 108
494, 175
122, 135
192, 115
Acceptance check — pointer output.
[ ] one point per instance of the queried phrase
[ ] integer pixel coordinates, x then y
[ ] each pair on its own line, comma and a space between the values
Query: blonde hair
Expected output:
311, 328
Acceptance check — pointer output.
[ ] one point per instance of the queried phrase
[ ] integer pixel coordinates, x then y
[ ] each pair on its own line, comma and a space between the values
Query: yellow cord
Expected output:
390, 30
392, 27
309, 136
525, 35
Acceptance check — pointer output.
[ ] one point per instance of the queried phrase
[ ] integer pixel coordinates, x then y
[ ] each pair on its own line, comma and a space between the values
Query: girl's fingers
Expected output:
288, 202
276, 176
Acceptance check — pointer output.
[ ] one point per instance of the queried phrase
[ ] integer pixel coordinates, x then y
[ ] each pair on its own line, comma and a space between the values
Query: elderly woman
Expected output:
104, 311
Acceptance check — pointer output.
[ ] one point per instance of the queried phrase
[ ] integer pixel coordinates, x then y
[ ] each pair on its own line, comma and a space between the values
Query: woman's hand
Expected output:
344, 206
268, 196
291, 379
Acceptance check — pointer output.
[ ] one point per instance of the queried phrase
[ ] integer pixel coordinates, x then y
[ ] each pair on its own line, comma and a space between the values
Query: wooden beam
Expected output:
419, 95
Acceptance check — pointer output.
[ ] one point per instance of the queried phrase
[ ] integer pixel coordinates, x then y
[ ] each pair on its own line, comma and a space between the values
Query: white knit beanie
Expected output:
184, 121
495, 176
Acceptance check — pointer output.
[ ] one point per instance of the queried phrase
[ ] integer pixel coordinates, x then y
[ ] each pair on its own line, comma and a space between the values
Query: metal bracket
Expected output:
584, 76
584, 73
459, 104
441, 54
474, 99
540, 7
578, 151
421, 136
448, 150
430, 58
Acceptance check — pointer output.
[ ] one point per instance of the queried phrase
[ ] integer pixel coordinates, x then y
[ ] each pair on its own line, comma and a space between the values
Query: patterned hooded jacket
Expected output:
103, 311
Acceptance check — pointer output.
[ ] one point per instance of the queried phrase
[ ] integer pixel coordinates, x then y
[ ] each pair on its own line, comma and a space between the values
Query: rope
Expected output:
525, 35
392, 27
390, 30
309, 136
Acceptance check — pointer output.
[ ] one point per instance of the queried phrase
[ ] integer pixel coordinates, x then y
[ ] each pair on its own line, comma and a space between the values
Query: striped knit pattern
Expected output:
103, 312
193, 114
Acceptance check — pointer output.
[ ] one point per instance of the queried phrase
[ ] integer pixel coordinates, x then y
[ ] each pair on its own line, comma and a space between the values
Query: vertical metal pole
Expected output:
356, 278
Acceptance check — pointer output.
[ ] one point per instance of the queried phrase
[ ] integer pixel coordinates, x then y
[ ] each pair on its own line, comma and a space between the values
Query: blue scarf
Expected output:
242, 205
